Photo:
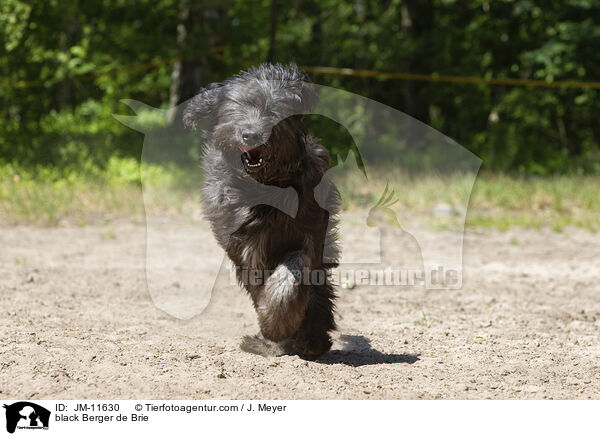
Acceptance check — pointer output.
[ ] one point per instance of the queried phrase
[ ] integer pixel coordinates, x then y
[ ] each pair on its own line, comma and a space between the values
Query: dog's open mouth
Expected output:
252, 159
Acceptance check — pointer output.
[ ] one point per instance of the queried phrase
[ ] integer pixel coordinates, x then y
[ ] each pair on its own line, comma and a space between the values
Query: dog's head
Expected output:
255, 118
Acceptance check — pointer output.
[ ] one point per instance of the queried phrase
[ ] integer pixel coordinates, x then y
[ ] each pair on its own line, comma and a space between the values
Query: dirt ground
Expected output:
77, 321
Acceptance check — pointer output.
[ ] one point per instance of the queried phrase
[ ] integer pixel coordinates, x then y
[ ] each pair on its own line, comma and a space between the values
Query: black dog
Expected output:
261, 172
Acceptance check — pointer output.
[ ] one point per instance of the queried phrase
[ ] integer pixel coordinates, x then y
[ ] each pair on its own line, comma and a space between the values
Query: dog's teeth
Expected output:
253, 165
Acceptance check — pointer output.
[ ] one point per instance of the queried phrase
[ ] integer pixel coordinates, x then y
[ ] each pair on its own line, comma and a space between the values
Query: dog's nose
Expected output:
251, 137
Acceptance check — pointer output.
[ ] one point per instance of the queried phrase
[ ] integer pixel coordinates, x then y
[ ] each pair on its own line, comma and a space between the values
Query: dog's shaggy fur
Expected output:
261, 172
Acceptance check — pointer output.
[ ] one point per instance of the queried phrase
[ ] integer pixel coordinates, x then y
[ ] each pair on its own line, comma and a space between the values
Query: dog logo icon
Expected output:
26, 415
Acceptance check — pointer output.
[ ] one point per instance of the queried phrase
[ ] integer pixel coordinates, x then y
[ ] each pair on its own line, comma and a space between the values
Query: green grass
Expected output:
46, 196
556, 202
495, 200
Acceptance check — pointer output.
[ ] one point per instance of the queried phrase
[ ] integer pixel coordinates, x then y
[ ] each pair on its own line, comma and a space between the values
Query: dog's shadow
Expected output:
357, 351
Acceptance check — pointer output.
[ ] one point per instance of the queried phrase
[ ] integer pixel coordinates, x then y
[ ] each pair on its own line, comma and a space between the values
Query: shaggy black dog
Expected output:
270, 204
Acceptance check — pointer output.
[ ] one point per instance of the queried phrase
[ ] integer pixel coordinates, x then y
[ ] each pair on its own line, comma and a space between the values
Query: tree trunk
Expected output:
417, 25
272, 31
174, 90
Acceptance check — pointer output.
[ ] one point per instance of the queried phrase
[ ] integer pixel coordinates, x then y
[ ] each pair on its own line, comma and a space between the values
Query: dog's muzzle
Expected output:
252, 158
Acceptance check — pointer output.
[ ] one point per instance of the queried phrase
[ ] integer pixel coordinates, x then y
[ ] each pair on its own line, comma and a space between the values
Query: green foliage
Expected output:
65, 65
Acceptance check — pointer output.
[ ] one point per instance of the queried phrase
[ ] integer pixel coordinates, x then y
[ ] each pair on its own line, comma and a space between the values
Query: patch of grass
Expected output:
556, 202
494, 200
423, 321
48, 196
108, 235
20, 260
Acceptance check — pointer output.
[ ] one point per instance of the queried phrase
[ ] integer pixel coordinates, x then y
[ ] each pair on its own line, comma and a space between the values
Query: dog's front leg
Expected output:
281, 304
312, 338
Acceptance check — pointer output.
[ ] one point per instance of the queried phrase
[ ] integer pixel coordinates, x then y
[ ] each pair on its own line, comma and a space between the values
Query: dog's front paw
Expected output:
311, 347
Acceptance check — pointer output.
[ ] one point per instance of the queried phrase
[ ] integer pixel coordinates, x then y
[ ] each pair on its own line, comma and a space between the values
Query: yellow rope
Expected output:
450, 79
350, 72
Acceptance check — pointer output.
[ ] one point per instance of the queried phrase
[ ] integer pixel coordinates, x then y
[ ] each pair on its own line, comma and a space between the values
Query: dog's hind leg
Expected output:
313, 339
281, 304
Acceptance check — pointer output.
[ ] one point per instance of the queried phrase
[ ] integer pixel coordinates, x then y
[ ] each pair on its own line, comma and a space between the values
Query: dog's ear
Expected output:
202, 106
308, 94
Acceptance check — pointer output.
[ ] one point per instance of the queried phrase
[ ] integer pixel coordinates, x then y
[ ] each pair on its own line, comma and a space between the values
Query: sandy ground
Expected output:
77, 321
